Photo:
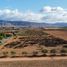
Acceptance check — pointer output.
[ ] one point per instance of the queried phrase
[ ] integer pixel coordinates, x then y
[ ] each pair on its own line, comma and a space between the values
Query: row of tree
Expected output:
53, 52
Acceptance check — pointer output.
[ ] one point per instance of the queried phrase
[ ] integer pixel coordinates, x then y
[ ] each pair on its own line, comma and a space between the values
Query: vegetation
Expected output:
34, 53
65, 28
32, 42
24, 53
3, 35
5, 54
63, 51
44, 50
53, 52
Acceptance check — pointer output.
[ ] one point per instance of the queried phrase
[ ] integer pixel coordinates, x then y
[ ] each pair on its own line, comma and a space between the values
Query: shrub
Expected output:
53, 52
13, 53
63, 52
44, 51
35, 53
5, 54
24, 53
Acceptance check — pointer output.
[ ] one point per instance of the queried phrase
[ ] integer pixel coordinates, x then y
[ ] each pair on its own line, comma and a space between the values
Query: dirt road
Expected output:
30, 59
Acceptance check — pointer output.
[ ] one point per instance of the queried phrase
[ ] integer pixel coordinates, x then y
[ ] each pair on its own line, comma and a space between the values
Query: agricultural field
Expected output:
29, 42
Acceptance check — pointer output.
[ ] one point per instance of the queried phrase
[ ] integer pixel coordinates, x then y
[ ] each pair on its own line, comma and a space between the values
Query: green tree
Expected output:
35, 53
53, 52
63, 52
44, 50
5, 54
13, 53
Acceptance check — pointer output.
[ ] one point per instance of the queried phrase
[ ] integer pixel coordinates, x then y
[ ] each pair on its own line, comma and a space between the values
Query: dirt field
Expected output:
42, 62
58, 33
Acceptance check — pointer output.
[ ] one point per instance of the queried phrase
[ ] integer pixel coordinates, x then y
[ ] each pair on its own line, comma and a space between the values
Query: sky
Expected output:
33, 5
34, 10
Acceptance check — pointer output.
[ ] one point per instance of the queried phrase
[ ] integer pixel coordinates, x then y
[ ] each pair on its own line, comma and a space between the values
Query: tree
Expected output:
44, 51
63, 52
53, 52
13, 53
5, 54
24, 53
35, 53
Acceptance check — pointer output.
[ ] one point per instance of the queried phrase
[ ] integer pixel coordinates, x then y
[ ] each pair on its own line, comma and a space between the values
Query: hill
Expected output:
7, 23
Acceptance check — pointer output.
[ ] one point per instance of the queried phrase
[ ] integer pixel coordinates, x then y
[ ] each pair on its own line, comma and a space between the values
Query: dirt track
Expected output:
34, 62
30, 59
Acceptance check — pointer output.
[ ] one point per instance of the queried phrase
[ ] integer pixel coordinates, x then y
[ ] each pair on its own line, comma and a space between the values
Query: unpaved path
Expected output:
30, 59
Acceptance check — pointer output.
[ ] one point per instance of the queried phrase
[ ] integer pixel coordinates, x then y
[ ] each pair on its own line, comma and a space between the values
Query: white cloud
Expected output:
46, 9
47, 14
51, 9
54, 14
8, 14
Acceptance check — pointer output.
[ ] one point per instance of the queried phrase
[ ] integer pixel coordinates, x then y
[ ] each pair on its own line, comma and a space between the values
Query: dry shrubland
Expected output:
33, 42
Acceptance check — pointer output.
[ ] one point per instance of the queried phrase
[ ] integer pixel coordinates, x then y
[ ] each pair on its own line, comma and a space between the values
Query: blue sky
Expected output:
33, 5
34, 10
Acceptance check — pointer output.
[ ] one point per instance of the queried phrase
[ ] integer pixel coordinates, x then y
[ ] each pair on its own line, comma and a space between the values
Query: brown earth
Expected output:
58, 33
27, 45
34, 62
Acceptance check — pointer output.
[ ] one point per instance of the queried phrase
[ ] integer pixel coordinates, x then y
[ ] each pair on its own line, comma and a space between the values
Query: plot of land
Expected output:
58, 33
34, 43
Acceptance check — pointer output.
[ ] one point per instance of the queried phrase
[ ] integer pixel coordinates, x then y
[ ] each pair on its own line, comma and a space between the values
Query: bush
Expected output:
5, 54
63, 52
13, 53
53, 52
24, 54
44, 51
8, 35
1, 37
35, 53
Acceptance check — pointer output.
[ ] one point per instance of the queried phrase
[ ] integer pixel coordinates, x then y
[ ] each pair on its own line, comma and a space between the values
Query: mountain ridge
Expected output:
6, 23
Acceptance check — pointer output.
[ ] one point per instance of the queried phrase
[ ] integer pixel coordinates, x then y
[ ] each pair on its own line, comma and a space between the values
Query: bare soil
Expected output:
34, 62
58, 33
